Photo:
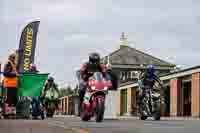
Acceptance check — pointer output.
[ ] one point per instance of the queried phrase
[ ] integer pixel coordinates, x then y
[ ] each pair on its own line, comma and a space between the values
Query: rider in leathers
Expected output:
147, 80
87, 70
50, 83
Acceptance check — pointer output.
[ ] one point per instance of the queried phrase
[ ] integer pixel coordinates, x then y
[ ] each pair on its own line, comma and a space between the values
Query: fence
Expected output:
69, 105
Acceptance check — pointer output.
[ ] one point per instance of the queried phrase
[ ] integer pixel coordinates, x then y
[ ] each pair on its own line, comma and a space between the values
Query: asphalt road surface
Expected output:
74, 125
28, 126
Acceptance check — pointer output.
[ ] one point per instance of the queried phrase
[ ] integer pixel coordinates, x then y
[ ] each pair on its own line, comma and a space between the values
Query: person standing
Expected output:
10, 80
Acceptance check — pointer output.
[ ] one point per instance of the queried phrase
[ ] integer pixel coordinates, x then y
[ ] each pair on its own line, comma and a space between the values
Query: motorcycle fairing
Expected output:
51, 93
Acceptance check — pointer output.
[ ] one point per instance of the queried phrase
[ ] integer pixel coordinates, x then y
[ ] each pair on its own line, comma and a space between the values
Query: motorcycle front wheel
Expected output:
100, 108
143, 114
156, 114
50, 113
143, 117
143, 109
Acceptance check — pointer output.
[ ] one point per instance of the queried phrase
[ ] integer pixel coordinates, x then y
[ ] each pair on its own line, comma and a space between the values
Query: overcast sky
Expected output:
70, 29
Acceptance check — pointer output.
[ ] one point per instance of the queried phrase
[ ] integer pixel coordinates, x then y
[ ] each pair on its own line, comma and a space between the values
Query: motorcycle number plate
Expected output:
87, 97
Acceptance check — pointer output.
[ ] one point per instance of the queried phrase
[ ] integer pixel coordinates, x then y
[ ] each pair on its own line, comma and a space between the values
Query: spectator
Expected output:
10, 80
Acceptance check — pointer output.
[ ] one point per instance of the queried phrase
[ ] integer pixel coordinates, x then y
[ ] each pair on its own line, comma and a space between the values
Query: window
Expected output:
129, 75
133, 74
122, 76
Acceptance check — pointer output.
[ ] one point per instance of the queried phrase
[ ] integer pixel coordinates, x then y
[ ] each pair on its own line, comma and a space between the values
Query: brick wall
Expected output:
196, 95
119, 106
176, 97
129, 99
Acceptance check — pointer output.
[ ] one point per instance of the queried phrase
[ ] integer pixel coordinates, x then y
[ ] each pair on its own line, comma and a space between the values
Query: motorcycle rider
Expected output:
50, 83
87, 70
147, 80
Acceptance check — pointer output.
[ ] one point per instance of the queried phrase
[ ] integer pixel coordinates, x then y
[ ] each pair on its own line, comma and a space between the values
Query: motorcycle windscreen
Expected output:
98, 76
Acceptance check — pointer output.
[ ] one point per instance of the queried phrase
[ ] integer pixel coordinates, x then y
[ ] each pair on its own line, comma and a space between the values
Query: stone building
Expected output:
127, 63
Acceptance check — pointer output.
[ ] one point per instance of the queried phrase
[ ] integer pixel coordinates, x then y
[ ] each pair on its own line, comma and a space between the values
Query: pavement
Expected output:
71, 124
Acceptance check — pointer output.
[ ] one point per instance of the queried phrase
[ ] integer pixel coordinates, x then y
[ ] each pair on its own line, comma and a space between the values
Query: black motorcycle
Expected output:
150, 105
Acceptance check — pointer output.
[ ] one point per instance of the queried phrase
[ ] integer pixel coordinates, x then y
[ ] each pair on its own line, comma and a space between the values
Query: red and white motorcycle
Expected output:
94, 99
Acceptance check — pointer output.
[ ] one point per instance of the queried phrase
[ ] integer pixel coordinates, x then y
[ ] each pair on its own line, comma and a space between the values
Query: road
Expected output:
28, 126
74, 125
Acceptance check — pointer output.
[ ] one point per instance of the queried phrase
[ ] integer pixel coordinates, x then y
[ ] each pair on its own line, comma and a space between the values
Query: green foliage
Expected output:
75, 91
68, 91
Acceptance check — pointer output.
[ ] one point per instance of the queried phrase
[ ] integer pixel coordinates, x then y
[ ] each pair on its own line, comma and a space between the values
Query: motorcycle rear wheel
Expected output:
143, 111
156, 114
83, 114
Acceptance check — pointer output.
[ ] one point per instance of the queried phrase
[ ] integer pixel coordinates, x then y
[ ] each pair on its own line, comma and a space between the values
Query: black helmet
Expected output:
94, 58
51, 79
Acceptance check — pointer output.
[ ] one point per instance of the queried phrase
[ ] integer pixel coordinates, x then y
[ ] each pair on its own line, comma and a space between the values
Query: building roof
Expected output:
182, 70
179, 73
131, 56
127, 83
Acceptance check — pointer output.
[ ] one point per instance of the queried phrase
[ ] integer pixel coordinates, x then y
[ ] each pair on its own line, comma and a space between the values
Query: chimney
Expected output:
124, 41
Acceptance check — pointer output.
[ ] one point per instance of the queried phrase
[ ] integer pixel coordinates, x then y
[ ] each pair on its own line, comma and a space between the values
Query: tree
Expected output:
75, 90
69, 91
66, 91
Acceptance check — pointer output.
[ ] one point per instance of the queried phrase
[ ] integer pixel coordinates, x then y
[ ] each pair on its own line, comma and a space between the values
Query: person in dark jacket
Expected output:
147, 81
50, 83
86, 71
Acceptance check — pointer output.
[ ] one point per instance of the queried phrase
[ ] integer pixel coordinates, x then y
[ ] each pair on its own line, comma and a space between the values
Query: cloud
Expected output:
69, 30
